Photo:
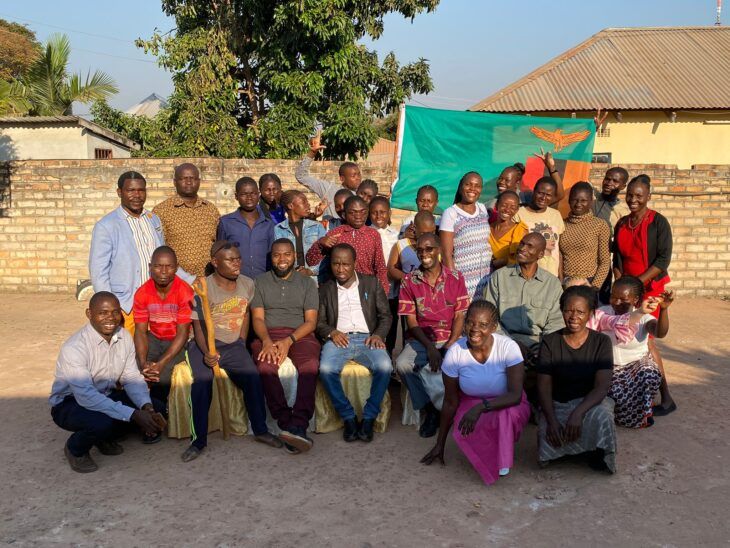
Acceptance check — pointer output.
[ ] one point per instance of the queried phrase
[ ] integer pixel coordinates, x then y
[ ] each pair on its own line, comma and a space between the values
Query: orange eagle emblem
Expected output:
559, 139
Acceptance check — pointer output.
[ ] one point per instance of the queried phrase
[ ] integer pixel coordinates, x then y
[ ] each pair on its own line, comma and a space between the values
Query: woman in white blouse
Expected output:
483, 376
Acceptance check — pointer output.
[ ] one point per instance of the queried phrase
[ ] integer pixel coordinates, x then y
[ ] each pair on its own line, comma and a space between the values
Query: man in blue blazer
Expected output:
122, 243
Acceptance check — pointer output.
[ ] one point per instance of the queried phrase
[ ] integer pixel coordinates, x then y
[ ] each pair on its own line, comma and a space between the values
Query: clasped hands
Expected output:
150, 421
341, 340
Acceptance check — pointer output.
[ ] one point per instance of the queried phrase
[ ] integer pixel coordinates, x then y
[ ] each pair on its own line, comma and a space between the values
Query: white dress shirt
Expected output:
89, 368
350, 318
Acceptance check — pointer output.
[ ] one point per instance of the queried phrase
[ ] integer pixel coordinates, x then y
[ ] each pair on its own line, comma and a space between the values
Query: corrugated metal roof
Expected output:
76, 120
628, 69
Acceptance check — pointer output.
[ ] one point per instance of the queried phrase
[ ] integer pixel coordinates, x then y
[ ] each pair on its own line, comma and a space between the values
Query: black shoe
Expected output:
661, 411
109, 448
430, 424
149, 440
350, 433
83, 464
366, 430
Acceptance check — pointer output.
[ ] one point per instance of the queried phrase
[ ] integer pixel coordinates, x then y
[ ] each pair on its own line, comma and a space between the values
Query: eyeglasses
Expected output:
427, 249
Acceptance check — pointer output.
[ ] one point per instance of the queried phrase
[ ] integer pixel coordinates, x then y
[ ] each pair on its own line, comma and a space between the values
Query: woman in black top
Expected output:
573, 379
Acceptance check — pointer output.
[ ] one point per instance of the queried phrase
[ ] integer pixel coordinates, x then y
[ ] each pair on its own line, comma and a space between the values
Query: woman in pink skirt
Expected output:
483, 374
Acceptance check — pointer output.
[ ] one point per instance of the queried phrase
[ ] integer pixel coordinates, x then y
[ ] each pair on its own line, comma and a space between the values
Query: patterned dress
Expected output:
472, 252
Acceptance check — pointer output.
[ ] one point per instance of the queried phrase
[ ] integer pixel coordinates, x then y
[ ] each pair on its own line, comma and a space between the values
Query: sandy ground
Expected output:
672, 488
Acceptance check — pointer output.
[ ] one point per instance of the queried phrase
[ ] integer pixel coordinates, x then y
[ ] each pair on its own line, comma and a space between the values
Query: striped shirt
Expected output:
144, 241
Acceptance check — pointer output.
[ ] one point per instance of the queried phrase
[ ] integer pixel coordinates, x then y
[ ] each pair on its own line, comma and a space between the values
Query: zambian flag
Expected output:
436, 147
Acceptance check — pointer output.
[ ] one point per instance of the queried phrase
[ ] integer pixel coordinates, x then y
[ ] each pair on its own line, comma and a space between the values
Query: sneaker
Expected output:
83, 464
191, 453
503, 471
296, 439
110, 448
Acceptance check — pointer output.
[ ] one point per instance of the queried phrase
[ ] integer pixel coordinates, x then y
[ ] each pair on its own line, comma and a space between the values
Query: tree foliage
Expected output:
19, 48
51, 90
253, 77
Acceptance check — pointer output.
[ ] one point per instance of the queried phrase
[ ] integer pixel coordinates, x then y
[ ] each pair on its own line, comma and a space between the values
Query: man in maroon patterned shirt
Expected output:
366, 241
434, 301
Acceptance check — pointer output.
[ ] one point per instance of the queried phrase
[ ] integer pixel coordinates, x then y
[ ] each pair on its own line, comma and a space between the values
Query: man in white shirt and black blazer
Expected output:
353, 322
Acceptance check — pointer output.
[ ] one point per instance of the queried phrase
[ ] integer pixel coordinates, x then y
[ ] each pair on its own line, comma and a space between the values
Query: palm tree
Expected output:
52, 91
13, 99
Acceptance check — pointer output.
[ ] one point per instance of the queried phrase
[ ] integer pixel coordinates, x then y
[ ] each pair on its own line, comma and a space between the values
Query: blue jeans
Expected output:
412, 359
333, 361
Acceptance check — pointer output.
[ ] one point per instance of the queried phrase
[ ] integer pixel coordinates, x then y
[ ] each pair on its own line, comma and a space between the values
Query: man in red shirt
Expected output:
434, 301
364, 239
162, 309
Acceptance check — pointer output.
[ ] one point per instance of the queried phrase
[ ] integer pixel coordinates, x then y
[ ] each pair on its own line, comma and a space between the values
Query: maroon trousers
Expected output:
305, 355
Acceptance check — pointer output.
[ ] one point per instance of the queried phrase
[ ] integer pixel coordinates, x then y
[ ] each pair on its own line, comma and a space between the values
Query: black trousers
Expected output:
92, 427
239, 366
155, 349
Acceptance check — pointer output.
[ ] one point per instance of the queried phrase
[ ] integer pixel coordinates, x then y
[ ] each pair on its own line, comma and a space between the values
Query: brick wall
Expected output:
48, 208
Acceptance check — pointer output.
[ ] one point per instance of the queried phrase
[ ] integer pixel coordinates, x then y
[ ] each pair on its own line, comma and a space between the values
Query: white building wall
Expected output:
36, 142
94, 141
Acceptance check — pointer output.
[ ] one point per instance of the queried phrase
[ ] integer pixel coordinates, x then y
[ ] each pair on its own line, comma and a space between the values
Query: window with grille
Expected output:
102, 153
601, 158
603, 132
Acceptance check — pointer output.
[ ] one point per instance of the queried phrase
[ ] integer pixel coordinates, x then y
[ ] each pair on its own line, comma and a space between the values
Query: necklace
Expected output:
632, 226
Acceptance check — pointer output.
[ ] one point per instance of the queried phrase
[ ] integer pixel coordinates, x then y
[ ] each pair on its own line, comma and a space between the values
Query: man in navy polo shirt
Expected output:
250, 229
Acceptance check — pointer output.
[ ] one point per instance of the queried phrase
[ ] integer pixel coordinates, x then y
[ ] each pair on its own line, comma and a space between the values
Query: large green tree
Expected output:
253, 77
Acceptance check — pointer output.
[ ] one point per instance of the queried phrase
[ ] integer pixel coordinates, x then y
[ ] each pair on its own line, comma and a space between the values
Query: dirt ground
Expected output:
672, 488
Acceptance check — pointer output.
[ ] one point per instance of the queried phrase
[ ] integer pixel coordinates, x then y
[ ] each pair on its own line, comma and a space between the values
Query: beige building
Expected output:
667, 92
59, 137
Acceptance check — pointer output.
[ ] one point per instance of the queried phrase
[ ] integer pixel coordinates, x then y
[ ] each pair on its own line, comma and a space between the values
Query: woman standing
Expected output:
573, 379
584, 246
299, 229
483, 375
643, 248
505, 234
465, 235
636, 375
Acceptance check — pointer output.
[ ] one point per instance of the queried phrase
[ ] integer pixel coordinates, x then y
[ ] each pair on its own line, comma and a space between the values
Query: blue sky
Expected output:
474, 47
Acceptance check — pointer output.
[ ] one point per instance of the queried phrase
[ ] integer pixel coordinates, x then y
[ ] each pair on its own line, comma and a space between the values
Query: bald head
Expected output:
531, 249
187, 181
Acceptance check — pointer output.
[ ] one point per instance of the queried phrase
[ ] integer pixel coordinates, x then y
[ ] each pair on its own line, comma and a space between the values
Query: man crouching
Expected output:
85, 397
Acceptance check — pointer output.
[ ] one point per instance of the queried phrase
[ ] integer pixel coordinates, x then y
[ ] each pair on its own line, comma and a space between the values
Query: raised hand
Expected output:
315, 144
666, 299
598, 119
547, 159
321, 206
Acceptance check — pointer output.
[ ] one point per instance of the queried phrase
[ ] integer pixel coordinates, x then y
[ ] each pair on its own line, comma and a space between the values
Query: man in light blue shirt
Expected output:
85, 399
122, 243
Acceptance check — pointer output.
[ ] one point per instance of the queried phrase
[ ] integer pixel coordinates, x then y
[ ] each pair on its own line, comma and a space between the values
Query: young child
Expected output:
427, 199
380, 221
328, 221
162, 310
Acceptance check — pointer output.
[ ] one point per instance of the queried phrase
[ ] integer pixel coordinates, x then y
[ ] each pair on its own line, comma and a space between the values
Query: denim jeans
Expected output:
333, 361
412, 367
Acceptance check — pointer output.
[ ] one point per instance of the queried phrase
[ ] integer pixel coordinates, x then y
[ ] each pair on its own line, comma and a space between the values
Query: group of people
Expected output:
499, 305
